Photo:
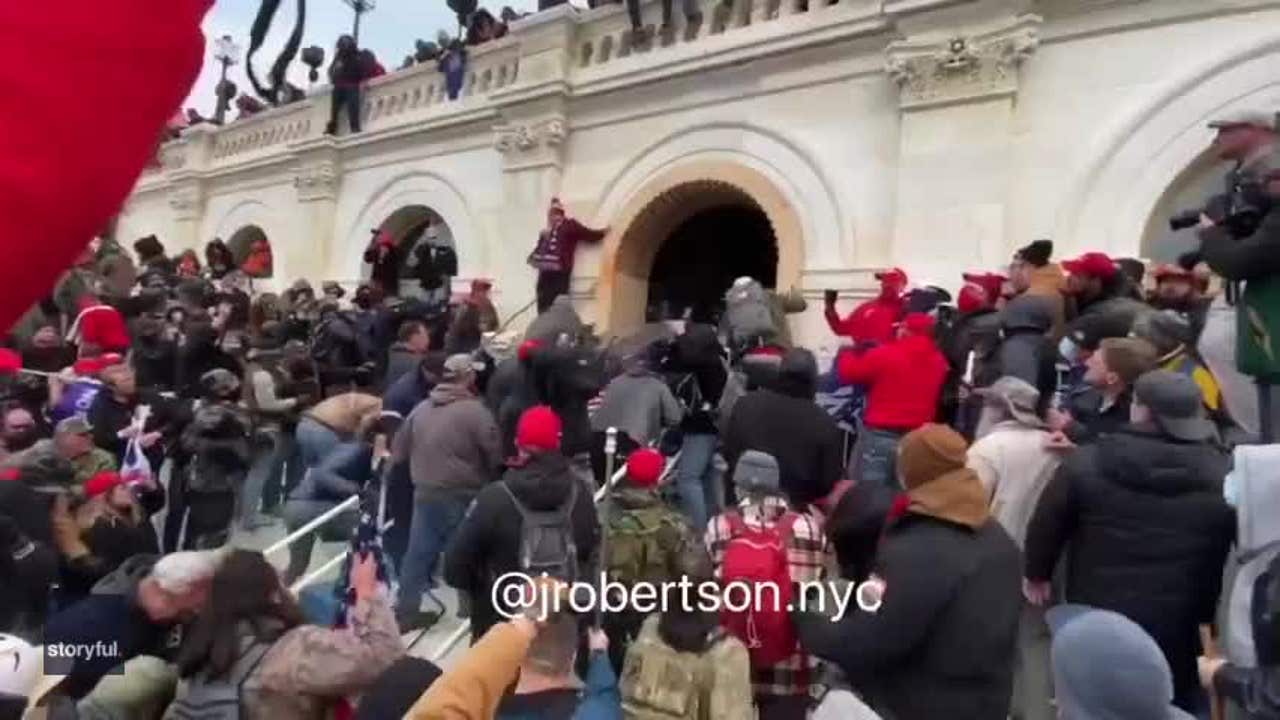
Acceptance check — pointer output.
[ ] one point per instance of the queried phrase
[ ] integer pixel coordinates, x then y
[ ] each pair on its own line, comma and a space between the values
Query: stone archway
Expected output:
410, 226
663, 204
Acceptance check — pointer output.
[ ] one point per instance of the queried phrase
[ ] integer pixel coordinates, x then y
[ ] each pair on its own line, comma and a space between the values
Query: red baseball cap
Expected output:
991, 283
102, 483
1092, 264
892, 275
645, 466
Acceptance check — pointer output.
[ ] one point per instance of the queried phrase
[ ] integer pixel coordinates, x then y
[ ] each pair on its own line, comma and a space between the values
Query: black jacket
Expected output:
156, 363
1091, 420
942, 643
1026, 352
801, 437
697, 363
1148, 531
385, 270
487, 543
109, 416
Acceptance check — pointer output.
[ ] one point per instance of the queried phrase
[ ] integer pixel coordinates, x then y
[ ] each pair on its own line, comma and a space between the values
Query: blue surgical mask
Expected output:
1231, 489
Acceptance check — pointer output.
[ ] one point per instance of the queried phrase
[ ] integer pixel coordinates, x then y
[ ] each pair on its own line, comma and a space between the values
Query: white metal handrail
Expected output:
464, 629
291, 538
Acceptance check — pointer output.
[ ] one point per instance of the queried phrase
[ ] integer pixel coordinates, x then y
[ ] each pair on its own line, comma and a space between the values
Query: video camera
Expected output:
1240, 209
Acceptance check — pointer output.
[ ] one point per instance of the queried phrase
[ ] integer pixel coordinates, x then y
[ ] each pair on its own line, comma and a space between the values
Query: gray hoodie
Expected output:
455, 447
639, 404
1105, 667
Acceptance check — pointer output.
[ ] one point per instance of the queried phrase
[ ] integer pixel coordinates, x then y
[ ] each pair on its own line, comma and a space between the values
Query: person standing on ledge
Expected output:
553, 256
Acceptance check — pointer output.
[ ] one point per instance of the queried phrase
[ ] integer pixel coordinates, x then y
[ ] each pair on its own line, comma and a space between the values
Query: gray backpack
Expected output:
748, 315
546, 538
200, 698
1257, 545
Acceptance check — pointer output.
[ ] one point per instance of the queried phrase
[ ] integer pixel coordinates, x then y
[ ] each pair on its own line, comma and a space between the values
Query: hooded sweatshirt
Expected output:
1026, 352
486, 545
638, 403
904, 380
456, 449
1106, 668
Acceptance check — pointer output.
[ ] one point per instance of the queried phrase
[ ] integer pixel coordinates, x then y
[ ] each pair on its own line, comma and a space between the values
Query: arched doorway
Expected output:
416, 229
1190, 189
251, 251
686, 234
700, 258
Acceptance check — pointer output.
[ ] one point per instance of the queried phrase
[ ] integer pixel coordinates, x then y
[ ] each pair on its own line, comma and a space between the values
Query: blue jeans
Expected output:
266, 475
314, 442
434, 521
876, 457
696, 479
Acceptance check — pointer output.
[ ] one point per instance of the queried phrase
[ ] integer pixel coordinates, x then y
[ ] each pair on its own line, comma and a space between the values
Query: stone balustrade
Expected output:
594, 51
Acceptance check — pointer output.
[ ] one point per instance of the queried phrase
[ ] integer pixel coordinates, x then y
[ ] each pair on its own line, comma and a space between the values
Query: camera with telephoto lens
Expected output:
1240, 209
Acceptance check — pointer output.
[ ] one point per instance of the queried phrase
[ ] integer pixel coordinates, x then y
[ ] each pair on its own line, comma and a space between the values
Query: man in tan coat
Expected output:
1031, 272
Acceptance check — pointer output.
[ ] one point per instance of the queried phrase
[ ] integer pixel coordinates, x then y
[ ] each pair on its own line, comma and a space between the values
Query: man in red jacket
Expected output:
904, 379
872, 322
553, 255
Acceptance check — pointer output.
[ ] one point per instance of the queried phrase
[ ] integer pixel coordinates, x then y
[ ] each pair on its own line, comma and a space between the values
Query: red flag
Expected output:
88, 87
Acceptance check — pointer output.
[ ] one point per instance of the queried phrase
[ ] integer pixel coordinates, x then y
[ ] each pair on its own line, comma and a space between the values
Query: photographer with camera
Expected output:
1240, 240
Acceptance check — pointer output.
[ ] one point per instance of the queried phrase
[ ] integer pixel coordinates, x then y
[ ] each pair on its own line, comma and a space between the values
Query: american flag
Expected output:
367, 539
135, 468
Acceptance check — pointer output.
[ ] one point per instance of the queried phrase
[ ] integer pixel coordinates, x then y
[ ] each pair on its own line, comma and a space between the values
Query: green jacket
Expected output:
1255, 261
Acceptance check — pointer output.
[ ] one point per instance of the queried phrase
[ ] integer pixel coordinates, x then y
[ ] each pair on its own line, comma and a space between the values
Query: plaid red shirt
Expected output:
807, 554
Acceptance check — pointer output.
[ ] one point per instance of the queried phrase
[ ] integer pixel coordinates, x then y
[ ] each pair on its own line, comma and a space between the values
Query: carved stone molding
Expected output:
173, 155
186, 201
317, 180
965, 66
531, 143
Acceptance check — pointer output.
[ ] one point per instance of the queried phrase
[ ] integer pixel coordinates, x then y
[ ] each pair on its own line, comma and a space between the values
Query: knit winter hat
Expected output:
644, 467
102, 483
102, 326
931, 464
756, 473
1037, 253
539, 429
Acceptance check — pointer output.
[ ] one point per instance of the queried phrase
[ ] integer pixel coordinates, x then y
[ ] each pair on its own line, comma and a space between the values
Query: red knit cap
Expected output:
644, 467
539, 429
102, 483
527, 348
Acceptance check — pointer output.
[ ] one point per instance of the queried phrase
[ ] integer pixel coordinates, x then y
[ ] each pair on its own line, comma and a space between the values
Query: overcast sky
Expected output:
389, 30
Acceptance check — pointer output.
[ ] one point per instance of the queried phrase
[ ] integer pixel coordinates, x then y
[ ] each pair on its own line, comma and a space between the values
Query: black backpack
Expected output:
546, 538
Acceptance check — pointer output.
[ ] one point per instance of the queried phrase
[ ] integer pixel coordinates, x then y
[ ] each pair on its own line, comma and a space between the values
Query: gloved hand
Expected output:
829, 297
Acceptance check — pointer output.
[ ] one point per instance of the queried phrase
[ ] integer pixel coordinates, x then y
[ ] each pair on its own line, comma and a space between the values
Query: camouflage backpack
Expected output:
642, 542
661, 683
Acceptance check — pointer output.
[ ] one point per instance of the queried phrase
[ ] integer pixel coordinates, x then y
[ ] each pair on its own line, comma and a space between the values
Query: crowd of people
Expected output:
1031, 487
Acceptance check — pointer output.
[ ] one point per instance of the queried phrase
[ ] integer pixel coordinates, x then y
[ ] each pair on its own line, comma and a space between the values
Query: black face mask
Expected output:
21, 440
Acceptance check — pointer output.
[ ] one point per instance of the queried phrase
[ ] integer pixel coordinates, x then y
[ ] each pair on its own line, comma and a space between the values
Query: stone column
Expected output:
312, 255
186, 199
531, 140
957, 90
